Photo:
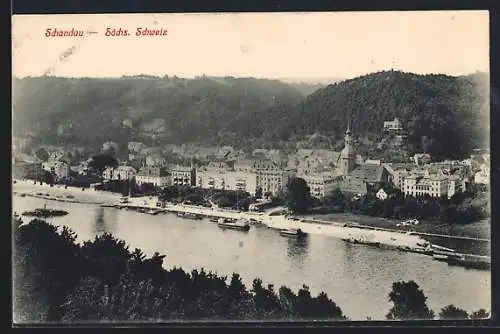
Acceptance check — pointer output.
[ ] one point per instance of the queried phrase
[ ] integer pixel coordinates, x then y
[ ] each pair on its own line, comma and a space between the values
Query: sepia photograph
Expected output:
215, 167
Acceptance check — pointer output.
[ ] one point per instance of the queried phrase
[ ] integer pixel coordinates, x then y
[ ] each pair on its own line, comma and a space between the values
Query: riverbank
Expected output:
345, 226
64, 194
478, 230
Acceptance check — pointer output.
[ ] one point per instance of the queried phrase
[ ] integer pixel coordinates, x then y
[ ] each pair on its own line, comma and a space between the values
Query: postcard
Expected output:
214, 167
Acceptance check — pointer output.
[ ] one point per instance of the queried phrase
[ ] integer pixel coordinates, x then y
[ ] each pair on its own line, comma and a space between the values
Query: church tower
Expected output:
347, 156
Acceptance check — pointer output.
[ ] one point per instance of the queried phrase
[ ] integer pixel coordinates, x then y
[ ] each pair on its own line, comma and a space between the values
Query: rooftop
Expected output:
368, 173
352, 185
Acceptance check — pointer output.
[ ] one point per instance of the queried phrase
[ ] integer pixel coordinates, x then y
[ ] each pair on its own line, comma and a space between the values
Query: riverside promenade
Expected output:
334, 229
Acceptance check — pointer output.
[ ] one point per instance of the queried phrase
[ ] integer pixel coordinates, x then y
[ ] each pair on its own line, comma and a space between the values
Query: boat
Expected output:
470, 261
442, 256
256, 222
189, 215
293, 232
45, 213
361, 241
214, 219
153, 211
240, 224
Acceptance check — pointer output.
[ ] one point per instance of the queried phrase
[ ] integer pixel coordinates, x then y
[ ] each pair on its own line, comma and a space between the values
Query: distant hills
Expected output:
445, 115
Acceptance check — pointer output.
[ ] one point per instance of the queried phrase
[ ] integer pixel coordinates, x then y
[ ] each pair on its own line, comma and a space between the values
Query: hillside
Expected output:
90, 110
443, 115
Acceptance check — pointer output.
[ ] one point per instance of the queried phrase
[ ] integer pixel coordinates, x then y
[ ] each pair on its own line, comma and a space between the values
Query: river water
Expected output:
357, 277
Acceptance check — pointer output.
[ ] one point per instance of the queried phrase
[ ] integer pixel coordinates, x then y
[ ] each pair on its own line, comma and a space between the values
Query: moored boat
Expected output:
45, 213
293, 232
240, 224
189, 215
470, 261
361, 241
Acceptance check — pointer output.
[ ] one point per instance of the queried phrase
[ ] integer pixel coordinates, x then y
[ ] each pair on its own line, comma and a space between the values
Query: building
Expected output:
157, 176
372, 162
347, 155
21, 143
183, 176
381, 194
135, 147
61, 169
421, 159
271, 176
119, 173
353, 186
27, 170
155, 160
393, 126
419, 185
321, 184
373, 175
483, 176
226, 178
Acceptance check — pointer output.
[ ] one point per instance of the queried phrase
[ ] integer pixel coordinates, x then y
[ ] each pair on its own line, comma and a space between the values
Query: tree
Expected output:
258, 193
42, 154
409, 302
451, 312
169, 193
480, 314
298, 196
101, 161
46, 266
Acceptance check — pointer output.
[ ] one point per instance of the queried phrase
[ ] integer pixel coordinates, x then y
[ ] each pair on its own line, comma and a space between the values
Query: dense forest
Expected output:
443, 115
57, 279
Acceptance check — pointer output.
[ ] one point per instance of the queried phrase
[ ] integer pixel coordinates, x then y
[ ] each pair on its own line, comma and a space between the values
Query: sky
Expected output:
264, 45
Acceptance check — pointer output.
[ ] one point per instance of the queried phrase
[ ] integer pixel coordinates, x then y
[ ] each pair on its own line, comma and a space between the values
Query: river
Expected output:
357, 277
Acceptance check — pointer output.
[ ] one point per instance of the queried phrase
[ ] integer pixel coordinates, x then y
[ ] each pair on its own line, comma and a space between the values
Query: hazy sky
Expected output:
267, 45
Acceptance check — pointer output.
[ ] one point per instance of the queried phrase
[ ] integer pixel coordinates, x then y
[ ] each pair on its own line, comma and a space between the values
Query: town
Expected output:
264, 175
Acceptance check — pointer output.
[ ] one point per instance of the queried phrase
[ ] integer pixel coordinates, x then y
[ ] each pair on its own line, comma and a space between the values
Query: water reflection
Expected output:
297, 249
104, 223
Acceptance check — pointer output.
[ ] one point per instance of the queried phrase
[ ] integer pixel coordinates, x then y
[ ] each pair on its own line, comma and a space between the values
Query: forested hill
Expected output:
444, 115
92, 110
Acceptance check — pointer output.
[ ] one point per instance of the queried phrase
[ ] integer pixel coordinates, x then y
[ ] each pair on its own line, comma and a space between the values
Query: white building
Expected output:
418, 185
119, 173
226, 179
321, 184
157, 176
483, 176
271, 176
183, 175
381, 194
61, 169
394, 125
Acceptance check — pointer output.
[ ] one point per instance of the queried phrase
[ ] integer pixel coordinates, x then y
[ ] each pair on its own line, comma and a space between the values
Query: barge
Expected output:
188, 215
240, 224
293, 232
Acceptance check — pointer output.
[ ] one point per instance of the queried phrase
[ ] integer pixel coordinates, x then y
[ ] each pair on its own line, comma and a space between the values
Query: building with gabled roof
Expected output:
353, 186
